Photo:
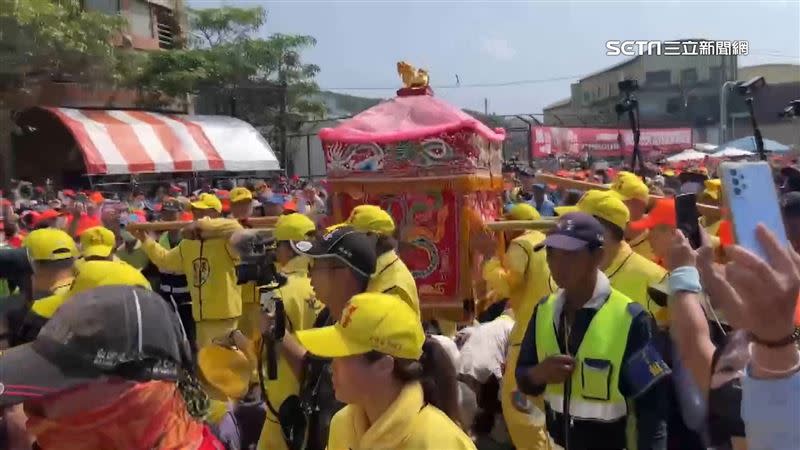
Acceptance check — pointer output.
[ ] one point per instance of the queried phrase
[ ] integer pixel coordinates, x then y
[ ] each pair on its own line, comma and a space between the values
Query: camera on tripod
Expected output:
629, 103
791, 110
256, 249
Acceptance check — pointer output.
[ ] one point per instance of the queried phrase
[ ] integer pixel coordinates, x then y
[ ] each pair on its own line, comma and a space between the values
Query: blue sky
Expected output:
495, 42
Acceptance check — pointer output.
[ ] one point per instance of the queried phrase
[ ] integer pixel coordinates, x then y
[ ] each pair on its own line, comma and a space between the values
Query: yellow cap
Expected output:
225, 372
207, 201
50, 244
332, 228
522, 211
92, 274
240, 194
97, 241
370, 322
602, 204
371, 218
293, 227
713, 188
629, 186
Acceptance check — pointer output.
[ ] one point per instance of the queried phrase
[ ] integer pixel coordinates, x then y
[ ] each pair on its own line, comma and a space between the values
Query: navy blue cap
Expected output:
574, 231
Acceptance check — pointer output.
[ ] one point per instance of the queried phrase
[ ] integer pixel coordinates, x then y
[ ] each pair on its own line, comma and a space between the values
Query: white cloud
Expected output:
498, 49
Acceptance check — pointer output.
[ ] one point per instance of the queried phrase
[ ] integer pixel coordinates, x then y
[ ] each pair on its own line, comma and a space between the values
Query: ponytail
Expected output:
434, 371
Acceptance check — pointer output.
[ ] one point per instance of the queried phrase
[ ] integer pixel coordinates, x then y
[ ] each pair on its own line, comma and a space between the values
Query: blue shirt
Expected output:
771, 412
547, 209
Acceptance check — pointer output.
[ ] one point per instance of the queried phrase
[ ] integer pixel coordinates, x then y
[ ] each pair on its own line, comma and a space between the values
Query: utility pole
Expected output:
485, 106
284, 105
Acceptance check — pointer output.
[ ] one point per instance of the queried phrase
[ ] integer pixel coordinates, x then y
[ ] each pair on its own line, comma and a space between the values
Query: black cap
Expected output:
574, 231
354, 248
125, 331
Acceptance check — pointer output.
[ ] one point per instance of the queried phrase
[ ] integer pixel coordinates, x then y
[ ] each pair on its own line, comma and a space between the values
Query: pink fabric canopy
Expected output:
407, 118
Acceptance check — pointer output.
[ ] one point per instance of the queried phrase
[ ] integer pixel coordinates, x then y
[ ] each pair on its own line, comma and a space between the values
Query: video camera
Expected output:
256, 249
629, 103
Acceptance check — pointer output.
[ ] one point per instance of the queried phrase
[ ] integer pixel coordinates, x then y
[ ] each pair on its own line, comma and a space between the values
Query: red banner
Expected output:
607, 142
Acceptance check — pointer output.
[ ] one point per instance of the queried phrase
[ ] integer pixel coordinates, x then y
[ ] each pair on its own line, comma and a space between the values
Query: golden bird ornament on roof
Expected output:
411, 76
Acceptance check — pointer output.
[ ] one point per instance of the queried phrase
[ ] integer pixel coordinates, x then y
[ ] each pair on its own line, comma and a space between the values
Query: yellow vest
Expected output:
595, 391
393, 277
631, 274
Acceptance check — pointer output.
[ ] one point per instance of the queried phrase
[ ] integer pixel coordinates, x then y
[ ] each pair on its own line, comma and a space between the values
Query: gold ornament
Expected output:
411, 76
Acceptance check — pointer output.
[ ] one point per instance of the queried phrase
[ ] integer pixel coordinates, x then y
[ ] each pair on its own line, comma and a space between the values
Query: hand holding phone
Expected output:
752, 198
687, 218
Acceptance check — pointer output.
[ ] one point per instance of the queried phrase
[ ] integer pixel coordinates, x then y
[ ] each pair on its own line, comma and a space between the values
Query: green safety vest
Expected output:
4, 288
595, 391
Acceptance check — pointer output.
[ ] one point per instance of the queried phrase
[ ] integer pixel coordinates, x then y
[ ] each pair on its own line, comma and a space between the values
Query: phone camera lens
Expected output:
735, 181
733, 172
737, 191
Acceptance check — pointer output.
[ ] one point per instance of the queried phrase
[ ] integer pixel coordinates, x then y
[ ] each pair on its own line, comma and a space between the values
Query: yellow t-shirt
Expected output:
631, 274
408, 424
301, 306
641, 245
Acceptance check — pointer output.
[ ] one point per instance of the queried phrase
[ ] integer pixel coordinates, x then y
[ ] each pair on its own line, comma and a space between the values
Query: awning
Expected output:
129, 141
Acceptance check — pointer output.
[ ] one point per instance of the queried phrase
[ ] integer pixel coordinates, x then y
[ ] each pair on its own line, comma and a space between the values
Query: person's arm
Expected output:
527, 360
644, 382
502, 277
689, 326
14, 420
166, 260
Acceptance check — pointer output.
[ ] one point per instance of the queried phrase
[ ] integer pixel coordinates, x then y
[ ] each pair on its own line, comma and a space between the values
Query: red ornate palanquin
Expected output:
436, 169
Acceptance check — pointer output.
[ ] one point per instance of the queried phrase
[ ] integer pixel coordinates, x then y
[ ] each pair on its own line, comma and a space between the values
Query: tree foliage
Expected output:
45, 39
227, 62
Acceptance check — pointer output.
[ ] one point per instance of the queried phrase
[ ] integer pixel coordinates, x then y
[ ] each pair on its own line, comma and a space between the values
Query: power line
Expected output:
457, 86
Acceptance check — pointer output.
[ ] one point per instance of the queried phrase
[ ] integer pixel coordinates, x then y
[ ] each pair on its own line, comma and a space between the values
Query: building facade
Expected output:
673, 91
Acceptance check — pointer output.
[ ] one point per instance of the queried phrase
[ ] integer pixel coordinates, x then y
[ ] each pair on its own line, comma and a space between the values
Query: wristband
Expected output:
684, 278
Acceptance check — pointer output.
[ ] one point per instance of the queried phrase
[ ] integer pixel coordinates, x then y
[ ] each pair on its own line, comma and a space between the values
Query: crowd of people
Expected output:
608, 331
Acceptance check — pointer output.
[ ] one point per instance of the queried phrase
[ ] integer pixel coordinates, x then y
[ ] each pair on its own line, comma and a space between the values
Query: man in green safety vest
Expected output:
589, 349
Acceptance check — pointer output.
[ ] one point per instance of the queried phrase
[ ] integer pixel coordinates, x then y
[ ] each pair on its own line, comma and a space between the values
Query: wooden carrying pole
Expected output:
507, 225
706, 210
155, 227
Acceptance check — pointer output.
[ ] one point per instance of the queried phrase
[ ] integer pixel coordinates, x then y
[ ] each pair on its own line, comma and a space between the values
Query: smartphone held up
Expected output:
752, 199
687, 218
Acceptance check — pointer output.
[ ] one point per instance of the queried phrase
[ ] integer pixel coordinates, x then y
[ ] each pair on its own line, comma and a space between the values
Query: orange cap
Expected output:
662, 213
725, 233
96, 198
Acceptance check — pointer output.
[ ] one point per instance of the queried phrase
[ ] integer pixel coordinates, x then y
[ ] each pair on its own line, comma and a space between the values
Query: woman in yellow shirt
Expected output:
400, 388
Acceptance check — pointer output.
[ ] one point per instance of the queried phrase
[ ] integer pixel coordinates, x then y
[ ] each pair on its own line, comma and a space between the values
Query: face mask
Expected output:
147, 416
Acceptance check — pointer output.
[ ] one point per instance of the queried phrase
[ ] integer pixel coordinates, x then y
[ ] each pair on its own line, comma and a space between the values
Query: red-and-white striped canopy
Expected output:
124, 141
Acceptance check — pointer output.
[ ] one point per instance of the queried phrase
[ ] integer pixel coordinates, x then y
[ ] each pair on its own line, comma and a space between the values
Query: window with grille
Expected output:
166, 27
